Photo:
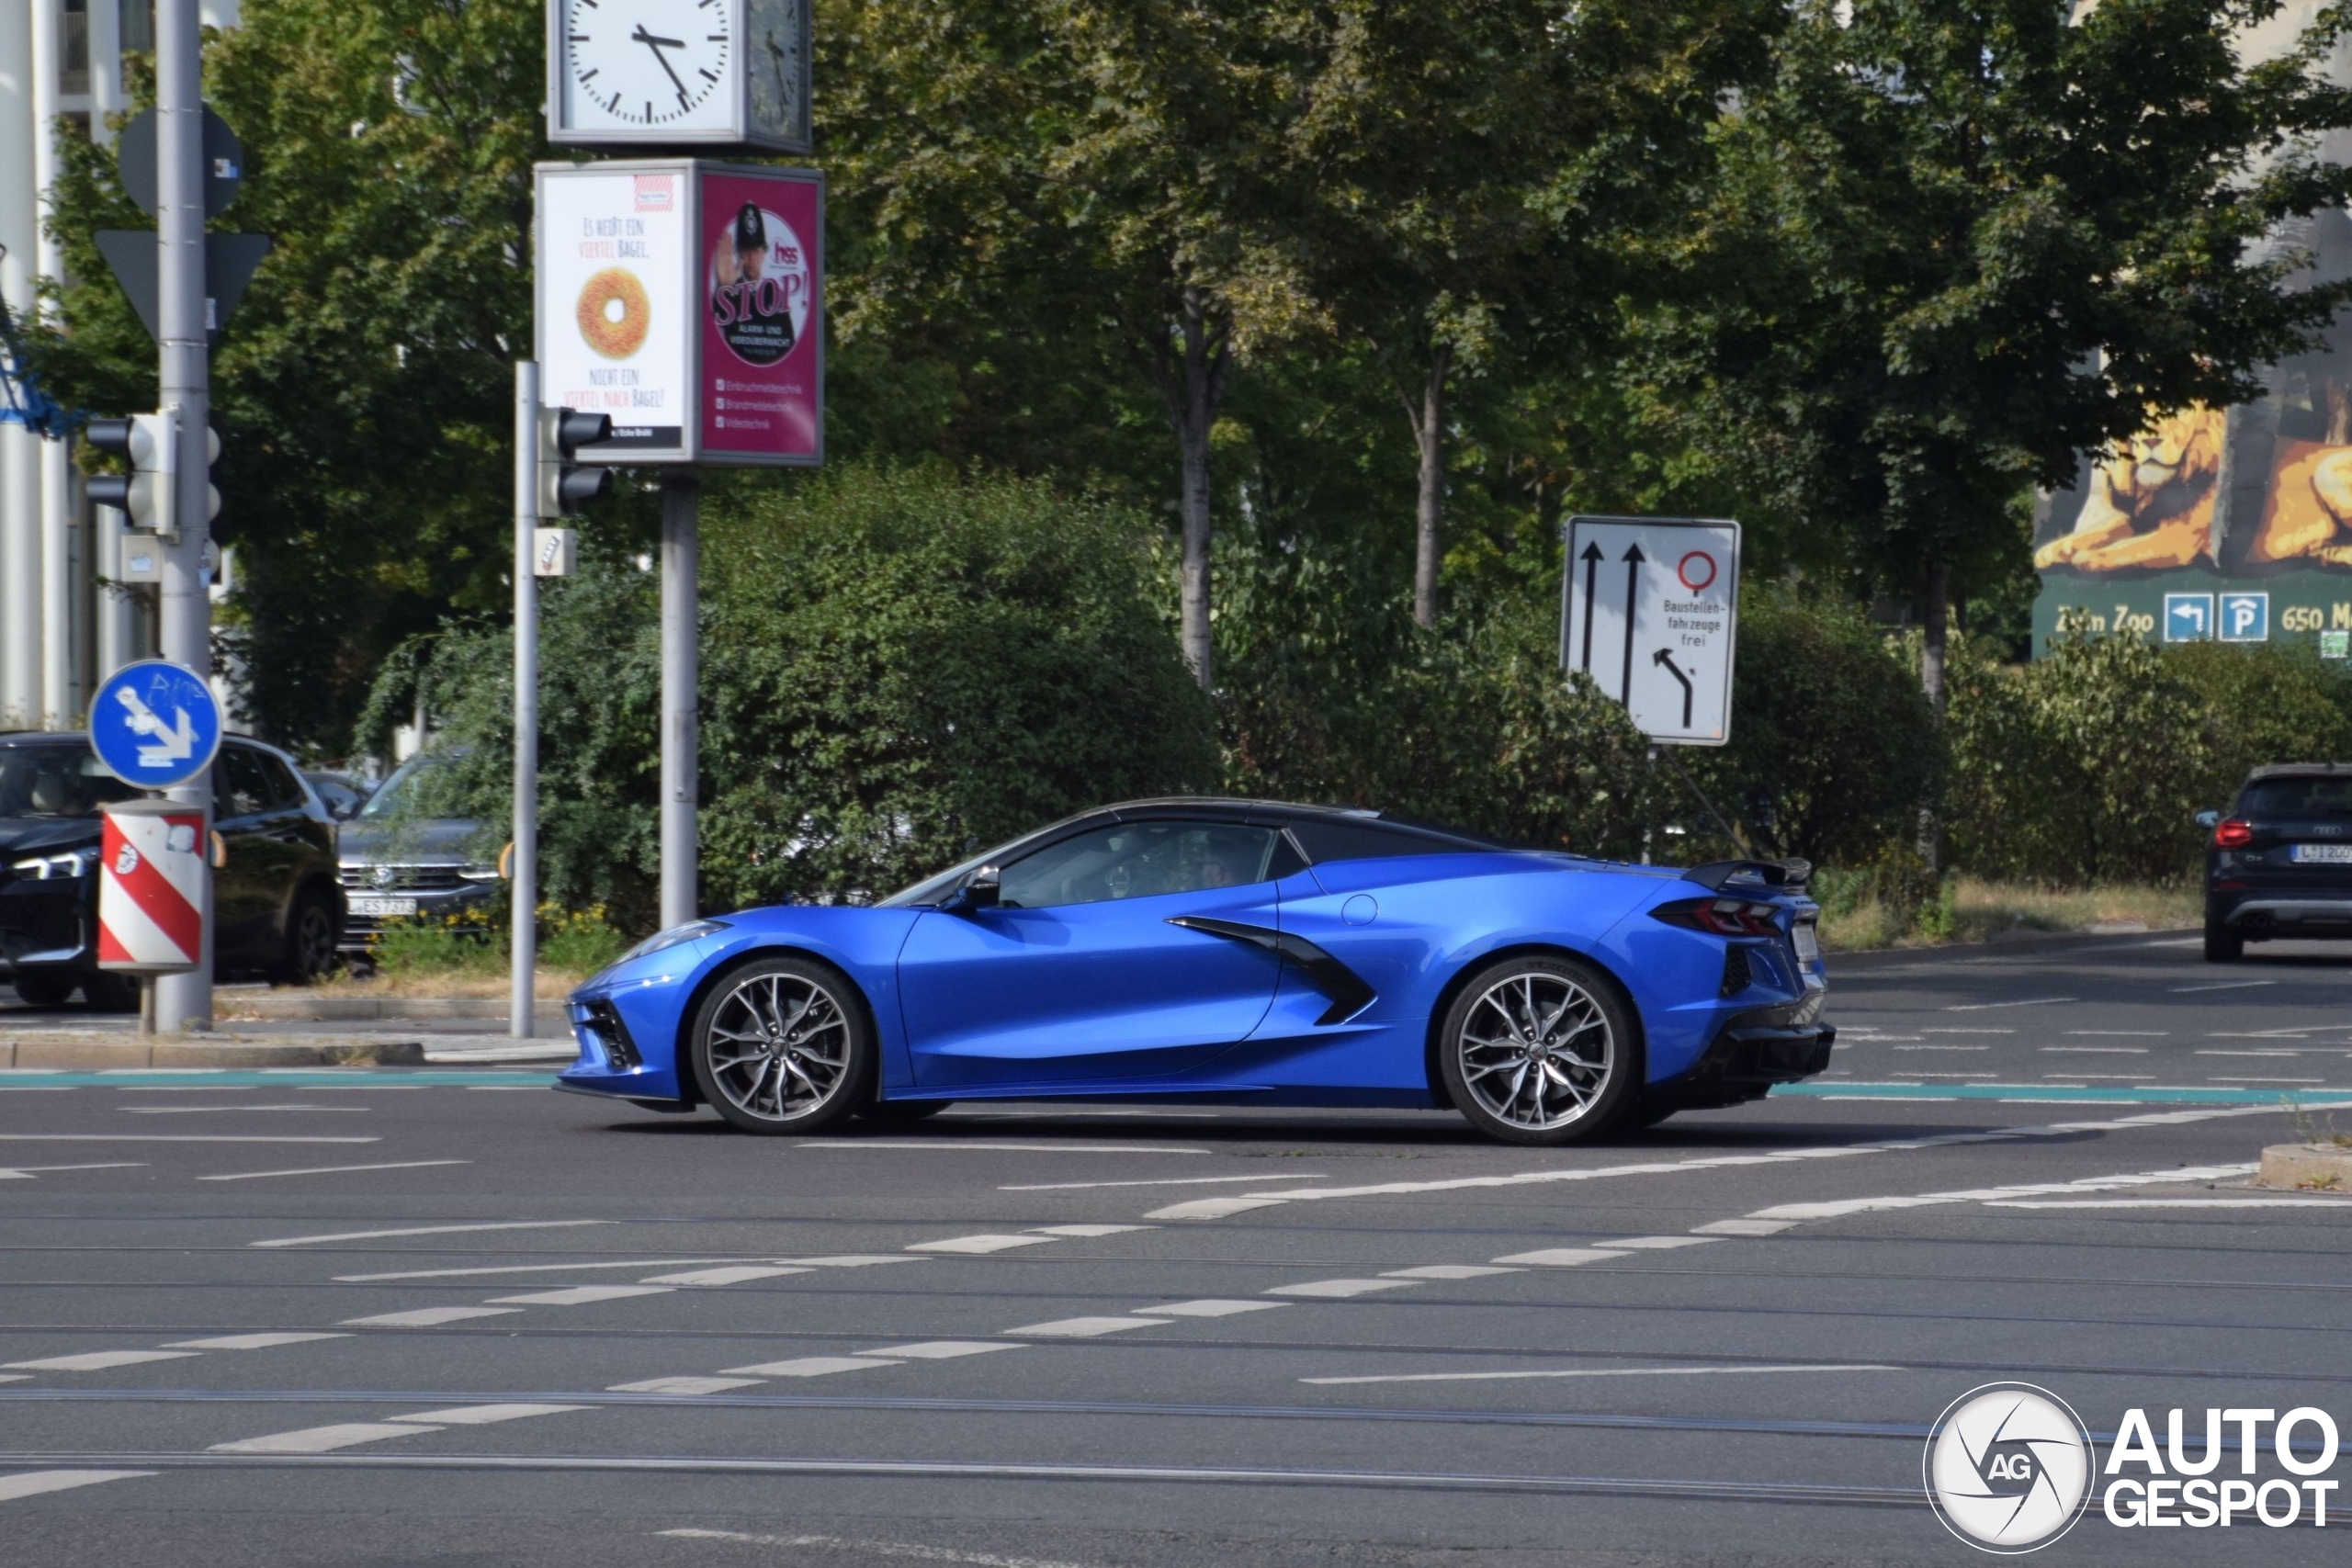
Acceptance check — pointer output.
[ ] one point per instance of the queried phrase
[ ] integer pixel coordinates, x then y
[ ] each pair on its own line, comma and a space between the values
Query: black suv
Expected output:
2280, 864
275, 904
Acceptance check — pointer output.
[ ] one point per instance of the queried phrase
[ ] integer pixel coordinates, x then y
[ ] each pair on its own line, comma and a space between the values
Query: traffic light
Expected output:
149, 492
565, 487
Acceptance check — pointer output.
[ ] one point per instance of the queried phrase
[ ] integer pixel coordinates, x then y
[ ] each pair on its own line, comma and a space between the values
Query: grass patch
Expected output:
1972, 910
460, 958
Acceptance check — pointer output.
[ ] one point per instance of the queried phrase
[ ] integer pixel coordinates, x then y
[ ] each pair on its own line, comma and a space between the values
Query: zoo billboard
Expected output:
2231, 524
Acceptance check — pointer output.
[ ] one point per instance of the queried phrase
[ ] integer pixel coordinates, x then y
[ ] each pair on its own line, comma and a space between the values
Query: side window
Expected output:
1325, 840
1137, 860
241, 789
285, 790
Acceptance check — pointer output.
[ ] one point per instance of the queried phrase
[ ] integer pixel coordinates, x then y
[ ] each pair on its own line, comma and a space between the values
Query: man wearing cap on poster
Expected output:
749, 257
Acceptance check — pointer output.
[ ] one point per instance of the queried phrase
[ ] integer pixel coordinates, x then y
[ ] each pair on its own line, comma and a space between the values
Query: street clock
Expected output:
679, 73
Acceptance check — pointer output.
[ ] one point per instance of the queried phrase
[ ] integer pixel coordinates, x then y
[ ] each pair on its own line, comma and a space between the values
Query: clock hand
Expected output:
657, 45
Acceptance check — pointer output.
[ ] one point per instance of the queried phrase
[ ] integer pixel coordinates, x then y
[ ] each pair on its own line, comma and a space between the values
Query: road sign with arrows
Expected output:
1650, 612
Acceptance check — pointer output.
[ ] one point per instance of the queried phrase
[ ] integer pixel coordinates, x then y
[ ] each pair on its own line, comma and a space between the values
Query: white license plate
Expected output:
1808, 943
382, 908
2321, 855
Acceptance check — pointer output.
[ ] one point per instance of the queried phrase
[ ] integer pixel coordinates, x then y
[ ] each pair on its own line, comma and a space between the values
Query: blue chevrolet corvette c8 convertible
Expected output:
1239, 951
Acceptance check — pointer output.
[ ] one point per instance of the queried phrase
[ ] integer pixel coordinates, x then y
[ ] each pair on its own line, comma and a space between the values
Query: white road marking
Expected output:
1171, 1181
1449, 1272
211, 1109
99, 1360
734, 1276
979, 1244
1660, 1243
942, 1349
427, 1230
169, 1139
2118, 1035
2095, 1050
2240, 1077
1606, 1372
531, 1268
1943, 1047
27, 1172
249, 1341
15, 1377
319, 1439
426, 1317
2335, 1203
810, 1367
1088, 1230
483, 1415
1563, 1256
1968, 1031
1743, 1227
2027, 1002
856, 1261
683, 1385
33, 1483
583, 1295
2220, 986
906, 1549
334, 1169
1219, 1208
2113, 1077
1210, 1308
1086, 1328
1339, 1289
994, 1147
1840, 1207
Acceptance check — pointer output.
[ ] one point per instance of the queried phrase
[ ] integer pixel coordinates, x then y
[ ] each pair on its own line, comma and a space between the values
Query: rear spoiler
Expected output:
1789, 875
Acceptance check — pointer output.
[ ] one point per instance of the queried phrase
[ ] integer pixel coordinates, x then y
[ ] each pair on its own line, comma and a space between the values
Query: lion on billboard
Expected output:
2310, 511
2150, 502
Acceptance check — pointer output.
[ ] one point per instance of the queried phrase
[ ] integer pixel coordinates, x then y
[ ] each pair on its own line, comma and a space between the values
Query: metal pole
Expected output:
21, 579
524, 888
184, 1001
58, 683
680, 570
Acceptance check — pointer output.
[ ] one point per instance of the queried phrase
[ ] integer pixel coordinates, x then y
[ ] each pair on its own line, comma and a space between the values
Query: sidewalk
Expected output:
59, 1049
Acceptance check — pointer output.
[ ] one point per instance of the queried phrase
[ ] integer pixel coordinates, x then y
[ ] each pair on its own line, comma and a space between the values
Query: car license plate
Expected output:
382, 908
2321, 855
1808, 943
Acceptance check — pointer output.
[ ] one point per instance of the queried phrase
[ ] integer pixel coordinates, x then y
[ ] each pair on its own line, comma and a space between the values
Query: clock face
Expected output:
646, 62
774, 39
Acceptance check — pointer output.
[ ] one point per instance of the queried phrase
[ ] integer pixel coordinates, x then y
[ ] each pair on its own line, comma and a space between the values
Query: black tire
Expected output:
883, 1114
1505, 1022
2223, 944
45, 990
1647, 1114
770, 1057
110, 993
312, 932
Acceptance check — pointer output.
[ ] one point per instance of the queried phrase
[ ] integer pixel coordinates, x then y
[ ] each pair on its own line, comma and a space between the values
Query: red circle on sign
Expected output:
1683, 570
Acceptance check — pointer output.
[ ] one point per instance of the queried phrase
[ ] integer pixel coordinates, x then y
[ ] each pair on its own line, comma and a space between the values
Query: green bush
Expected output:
2263, 705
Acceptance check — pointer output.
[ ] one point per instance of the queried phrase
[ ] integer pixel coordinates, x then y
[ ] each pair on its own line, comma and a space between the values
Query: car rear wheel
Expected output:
784, 1046
44, 990
1540, 1051
2223, 944
311, 939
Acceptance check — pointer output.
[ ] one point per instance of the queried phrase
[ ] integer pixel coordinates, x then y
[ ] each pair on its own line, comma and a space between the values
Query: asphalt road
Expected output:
371, 1318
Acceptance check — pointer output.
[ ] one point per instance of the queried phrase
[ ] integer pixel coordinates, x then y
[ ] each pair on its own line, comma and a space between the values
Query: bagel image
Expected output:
614, 313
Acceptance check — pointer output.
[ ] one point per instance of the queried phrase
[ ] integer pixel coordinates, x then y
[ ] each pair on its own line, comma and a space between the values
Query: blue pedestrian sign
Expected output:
154, 724
2189, 617
2246, 617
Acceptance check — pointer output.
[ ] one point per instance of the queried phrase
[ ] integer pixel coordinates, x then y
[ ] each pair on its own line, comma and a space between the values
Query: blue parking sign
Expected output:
2244, 617
2189, 617
154, 724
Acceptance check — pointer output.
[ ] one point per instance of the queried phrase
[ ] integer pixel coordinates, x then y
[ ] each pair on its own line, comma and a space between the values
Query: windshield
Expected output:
60, 780
417, 788
931, 889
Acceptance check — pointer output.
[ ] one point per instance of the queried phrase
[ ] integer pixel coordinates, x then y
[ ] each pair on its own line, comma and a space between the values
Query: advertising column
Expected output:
762, 385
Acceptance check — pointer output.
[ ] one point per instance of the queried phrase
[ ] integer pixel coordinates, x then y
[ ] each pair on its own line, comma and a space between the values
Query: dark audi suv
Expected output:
276, 905
2280, 863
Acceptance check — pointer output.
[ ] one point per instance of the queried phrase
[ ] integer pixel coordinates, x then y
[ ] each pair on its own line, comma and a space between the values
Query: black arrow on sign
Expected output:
1666, 656
1632, 559
1591, 558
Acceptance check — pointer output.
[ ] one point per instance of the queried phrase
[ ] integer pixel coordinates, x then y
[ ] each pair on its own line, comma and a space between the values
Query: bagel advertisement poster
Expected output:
683, 298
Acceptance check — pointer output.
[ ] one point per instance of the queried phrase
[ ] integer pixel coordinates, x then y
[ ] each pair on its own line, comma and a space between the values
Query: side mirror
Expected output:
2209, 820
979, 892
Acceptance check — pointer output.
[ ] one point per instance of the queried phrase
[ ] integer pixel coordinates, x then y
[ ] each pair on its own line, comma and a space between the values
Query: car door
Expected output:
242, 886
1082, 972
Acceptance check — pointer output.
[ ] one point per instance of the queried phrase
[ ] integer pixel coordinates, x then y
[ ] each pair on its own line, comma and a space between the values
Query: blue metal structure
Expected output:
22, 400
1233, 950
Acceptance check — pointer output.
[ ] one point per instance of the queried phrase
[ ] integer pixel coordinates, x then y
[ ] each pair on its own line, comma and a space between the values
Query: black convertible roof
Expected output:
1290, 813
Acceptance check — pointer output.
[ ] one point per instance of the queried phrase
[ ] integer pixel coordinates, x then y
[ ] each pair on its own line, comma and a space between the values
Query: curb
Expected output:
328, 1009
60, 1050
2322, 1167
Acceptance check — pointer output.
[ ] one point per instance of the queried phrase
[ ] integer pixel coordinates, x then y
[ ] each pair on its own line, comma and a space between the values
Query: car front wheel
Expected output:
784, 1046
1540, 1051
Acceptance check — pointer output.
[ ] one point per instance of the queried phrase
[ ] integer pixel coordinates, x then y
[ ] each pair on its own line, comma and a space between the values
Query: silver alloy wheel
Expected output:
779, 1046
1536, 1051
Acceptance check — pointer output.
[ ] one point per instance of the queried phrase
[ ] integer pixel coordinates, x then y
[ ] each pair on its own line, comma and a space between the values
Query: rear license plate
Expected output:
1808, 943
382, 908
2321, 855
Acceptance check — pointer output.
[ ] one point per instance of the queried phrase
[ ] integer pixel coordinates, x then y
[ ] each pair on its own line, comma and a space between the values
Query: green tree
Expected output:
1958, 244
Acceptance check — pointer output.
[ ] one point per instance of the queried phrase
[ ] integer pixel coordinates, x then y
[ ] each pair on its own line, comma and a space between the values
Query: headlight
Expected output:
59, 867
671, 937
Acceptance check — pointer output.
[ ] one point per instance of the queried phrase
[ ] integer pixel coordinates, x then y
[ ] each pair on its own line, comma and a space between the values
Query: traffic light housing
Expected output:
564, 486
147, 494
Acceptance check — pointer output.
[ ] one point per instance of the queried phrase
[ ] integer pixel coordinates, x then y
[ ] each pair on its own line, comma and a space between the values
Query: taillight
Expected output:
2234, 834
1724, 917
